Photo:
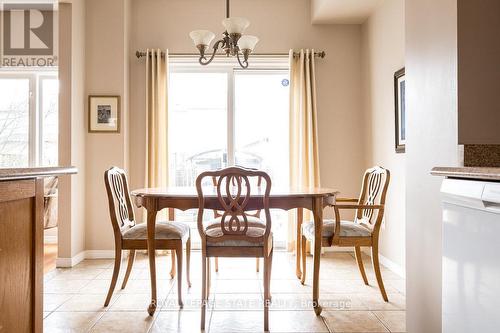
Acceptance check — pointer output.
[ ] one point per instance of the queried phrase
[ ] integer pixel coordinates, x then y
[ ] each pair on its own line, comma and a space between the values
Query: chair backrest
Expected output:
374, 190
232, 198
120, 205
50, 202
255, 213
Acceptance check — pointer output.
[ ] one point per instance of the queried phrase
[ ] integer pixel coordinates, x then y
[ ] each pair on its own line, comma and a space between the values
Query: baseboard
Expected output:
110, 254
89, 254
336, 249
389, 264
70, 262
392, 266
52, 239
102, 254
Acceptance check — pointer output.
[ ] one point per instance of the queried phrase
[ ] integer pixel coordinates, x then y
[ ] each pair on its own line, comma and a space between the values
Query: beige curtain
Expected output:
304, 153
156, 118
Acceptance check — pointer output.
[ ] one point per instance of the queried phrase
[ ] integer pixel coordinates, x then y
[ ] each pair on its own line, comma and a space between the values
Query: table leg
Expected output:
318, 226
300, 218
151, 255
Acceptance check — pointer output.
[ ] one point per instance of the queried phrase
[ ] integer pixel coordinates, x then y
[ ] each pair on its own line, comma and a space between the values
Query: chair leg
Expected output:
172, 270
178, 252
360, 264
209, 277
303, 254
216, 264
270, 270
131, 257
257, 264
203, 289
116, 271
188, 261
376, 268
266, 292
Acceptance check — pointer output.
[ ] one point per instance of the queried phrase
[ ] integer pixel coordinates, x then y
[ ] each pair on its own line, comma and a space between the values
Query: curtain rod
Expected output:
319, 54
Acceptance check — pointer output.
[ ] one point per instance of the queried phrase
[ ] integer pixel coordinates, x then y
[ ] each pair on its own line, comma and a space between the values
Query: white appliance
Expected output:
471, 256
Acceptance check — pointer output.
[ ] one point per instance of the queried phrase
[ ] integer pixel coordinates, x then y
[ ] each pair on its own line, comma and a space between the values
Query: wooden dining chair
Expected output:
234, 235
253, 218
363, 231
132, 236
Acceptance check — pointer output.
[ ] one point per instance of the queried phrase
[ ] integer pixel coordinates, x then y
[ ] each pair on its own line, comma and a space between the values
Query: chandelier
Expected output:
234, 43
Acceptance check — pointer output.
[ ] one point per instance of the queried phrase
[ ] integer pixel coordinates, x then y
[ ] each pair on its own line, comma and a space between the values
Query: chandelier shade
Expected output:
247, 42
235, 25
202, 37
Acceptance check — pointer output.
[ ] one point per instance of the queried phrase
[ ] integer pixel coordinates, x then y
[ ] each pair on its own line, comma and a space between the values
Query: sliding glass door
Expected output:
221, 116
197, 125
261, 126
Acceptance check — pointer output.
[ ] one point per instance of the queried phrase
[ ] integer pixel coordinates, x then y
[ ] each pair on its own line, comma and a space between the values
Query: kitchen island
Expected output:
21, 247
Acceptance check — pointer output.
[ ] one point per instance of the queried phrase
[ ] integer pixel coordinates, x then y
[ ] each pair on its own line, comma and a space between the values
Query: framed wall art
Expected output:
104, 114
400, 110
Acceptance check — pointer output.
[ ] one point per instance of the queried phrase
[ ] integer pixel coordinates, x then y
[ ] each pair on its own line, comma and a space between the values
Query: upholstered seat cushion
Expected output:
251, 232
164, 230
252, 222
347, 229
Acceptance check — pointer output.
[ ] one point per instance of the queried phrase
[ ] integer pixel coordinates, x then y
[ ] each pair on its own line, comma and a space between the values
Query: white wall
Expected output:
342, 11
431, 77
383, 53
71, 207
107, 61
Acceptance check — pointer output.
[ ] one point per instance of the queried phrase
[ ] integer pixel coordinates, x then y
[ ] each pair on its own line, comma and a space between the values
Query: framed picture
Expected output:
104, 114
400, 109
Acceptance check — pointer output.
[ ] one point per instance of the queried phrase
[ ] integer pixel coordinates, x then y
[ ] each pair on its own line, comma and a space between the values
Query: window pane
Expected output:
197, 125
49, 121
261, 131
197, 131
14, 122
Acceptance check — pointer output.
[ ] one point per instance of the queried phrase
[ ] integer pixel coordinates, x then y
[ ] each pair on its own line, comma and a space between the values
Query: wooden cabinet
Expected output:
21, 255
21, 248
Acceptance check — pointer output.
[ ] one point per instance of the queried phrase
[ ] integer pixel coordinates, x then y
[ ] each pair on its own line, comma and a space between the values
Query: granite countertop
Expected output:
468, 172
25, 173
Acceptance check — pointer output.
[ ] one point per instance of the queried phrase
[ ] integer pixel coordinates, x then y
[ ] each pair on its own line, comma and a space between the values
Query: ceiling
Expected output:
342, 11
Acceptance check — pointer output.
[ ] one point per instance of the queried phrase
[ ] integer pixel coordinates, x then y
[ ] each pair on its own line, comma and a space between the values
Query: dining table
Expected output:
288, 198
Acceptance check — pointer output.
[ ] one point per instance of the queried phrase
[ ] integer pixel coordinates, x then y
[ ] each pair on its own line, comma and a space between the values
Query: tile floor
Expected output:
74, 298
